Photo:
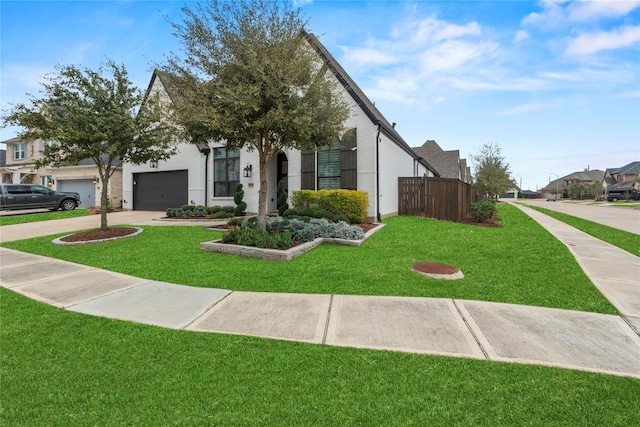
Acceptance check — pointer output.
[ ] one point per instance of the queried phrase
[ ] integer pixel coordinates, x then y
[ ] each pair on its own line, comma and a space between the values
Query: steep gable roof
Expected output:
629, 169
447, 163
363, 101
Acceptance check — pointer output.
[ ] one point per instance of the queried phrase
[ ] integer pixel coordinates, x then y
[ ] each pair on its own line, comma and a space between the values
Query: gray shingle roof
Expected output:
447, 163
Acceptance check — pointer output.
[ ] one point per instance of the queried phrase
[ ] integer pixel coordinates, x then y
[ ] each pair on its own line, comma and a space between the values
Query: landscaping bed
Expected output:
284, 254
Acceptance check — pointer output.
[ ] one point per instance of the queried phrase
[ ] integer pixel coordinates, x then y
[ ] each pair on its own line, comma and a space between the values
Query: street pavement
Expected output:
603, 213
458, 328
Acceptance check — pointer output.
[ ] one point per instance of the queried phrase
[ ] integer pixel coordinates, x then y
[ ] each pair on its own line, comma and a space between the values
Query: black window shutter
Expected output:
308, 170
349, 160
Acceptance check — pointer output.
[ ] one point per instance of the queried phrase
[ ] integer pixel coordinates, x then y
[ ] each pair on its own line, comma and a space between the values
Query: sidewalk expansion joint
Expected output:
475, 337
628, 322
326, 323
211, 306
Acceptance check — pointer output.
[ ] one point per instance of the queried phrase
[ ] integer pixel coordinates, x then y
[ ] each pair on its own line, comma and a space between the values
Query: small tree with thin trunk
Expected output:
492, 175
90, 115
249, 78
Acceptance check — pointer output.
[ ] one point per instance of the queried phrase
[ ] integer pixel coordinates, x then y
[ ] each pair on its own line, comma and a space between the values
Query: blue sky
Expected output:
556, 84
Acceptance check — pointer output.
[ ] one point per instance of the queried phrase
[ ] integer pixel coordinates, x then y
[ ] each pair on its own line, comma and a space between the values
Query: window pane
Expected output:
226, 172
329, 167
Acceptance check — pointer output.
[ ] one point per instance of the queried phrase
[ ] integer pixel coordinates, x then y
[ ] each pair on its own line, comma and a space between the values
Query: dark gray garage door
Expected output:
157, 191
85, 187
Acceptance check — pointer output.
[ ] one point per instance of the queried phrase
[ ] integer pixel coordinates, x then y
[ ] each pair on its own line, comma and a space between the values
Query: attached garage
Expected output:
85, 187
157, 191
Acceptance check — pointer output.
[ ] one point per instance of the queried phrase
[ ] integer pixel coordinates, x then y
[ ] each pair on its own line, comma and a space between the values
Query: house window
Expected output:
226, 172
329, 167
44, 144
20, 151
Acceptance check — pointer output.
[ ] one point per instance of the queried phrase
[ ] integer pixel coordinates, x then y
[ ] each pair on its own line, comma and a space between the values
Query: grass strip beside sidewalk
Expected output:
65, 368
623, 239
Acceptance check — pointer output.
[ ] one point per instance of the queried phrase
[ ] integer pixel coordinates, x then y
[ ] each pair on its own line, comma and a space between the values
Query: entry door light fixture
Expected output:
247, 171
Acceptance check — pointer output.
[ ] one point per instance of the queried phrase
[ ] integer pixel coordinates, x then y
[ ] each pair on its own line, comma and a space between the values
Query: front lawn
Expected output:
520, 263
68, 369
41, 216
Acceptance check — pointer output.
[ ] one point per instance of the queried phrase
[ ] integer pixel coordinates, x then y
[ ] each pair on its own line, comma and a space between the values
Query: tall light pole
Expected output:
557, 179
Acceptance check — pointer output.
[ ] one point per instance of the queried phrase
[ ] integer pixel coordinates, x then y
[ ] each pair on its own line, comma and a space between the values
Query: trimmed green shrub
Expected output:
259, 238
483, 209
188, 213
282, 198
213, 209
241, 206
199, 211
349, 203
170, 212
179, 212
188, 207
222, 215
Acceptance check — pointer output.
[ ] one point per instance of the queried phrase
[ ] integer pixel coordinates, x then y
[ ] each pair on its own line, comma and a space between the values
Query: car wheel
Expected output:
615, 199
68, 205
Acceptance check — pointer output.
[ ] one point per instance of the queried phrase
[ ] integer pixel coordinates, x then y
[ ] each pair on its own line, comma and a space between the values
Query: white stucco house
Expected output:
370, 158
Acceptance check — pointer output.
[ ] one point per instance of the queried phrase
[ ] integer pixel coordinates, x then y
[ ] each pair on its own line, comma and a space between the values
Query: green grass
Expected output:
64, 368
520, 263
630, 242
40, 216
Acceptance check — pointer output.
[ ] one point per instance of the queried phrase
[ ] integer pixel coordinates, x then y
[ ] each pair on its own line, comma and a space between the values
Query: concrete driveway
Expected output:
9, 233
625, 219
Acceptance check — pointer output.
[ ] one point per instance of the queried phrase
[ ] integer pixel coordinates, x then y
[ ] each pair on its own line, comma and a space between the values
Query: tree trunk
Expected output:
262, 193
104, 208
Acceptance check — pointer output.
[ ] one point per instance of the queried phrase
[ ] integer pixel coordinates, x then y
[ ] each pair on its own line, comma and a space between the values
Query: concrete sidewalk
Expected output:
471, 329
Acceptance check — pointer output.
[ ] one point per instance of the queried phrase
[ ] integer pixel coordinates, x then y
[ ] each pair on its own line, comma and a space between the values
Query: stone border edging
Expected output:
280, 254
59, 241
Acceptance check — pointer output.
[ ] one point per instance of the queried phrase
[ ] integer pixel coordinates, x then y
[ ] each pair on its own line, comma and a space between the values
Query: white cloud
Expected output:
561, 13
434, 30
521, 36
455, 55
552, 15
627, 95
589, 43
368, 56
581, 11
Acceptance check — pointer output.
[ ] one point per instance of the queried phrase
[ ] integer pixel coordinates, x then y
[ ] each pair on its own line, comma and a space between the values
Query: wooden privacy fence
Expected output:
438, 198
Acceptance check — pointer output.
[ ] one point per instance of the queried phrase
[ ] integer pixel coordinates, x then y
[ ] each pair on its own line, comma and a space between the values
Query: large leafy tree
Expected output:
249, 78
492, 175
96, 115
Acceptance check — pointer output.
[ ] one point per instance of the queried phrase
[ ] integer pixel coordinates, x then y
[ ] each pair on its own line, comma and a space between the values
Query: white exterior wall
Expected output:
394, 162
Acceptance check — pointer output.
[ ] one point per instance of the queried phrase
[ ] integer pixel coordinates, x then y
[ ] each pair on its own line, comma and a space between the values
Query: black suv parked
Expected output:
614, 196
27, 196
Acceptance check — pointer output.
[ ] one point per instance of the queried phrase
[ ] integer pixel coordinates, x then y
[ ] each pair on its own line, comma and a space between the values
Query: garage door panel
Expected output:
85, 187
157, 191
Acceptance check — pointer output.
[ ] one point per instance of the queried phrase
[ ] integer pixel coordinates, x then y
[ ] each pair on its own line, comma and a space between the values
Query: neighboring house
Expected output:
622, 179
447, 163
371, 157
575, 185
81, 178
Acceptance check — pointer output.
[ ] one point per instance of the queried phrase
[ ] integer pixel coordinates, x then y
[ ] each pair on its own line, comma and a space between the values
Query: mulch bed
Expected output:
491, 222
99, 234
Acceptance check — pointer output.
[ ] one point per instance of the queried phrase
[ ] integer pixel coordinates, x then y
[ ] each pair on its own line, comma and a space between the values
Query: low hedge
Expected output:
346, 203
